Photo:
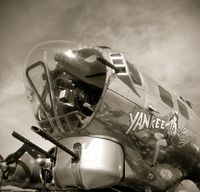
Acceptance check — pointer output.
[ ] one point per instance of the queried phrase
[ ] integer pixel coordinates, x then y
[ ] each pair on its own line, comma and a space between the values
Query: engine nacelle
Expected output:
101, 163
27, 170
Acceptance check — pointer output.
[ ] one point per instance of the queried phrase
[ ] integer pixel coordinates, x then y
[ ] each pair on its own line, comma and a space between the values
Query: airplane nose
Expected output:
64, 85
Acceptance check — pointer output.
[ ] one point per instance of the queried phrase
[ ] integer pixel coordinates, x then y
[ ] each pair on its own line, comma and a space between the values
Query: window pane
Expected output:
118, 62
183, 110
134, 74
166, 97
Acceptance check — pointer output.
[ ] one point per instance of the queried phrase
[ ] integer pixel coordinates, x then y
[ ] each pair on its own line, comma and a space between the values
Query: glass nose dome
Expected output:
64, 83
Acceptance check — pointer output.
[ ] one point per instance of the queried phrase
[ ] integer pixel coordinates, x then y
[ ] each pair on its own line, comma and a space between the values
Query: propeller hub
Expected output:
44, 163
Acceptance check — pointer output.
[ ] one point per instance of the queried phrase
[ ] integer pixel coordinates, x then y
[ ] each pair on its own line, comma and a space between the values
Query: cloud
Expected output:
161, 36
16, 115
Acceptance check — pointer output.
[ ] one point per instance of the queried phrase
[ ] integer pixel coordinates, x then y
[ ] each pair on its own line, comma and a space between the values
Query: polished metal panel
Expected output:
101, 163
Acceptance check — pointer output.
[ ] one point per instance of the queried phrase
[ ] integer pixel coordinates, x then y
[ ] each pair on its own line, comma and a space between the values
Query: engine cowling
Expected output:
26, 171
101, 163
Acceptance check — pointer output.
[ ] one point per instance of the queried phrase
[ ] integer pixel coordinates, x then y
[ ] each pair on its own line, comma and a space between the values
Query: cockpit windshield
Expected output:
64, 83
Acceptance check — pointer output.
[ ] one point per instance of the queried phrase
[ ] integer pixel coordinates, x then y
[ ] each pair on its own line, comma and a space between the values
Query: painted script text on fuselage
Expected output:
142, 120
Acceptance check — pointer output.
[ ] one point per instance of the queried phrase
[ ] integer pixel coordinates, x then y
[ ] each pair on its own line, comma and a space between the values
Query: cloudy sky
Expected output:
162, 36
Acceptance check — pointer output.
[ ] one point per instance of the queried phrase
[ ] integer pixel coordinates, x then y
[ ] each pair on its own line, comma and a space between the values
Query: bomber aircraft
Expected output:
113, 126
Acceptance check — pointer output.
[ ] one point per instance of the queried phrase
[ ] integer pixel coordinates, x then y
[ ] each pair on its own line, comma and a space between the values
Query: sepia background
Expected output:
161, 36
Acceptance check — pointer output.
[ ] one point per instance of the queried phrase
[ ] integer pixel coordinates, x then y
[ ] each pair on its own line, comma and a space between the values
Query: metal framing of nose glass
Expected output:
41, 98
47, 88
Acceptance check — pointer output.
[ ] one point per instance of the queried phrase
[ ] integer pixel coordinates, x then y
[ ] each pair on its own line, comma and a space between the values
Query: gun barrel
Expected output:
29, 143
55, 142
105, 62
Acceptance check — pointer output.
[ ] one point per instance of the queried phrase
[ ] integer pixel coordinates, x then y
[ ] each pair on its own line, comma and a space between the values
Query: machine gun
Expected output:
43, 158
55, 142
32, 145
